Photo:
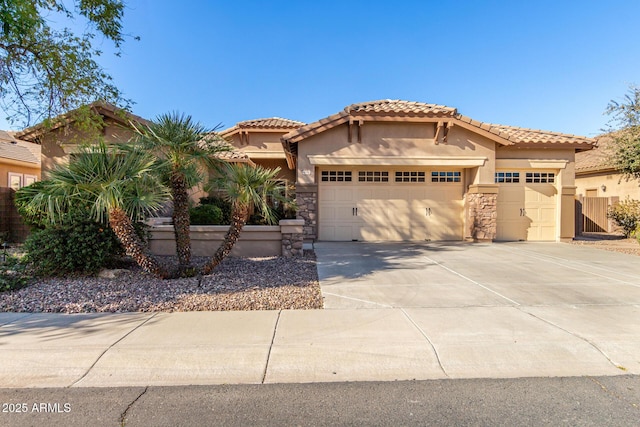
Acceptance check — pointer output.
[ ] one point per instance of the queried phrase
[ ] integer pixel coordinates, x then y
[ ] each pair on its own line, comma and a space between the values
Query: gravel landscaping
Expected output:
609, 242
272, 283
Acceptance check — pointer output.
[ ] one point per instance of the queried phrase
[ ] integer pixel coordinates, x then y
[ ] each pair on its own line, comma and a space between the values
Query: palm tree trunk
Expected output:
181, 221
239, 217
123, 227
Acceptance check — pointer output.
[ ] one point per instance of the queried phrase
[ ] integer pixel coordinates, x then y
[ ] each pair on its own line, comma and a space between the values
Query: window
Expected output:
29, 179
507, 177
540, 177
335, 176
448, 176
18, 180
373, 176
410, 176
15, 180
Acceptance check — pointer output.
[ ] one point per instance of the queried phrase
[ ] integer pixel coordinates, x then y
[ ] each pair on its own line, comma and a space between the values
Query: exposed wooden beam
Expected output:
437, 135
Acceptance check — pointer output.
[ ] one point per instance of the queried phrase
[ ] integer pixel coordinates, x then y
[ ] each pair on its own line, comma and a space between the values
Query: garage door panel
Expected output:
337, 212
338, 233
526, 211
390, 211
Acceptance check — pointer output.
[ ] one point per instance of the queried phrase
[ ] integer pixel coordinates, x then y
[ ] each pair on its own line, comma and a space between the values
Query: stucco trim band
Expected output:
397, 161
530, 164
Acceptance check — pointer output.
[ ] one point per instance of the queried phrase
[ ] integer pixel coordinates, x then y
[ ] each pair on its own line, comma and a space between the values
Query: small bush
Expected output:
206, 215
626, 214
13, 274
221, 203
76, 247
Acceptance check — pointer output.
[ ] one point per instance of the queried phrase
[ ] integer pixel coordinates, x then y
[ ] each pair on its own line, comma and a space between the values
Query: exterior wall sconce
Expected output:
603, 188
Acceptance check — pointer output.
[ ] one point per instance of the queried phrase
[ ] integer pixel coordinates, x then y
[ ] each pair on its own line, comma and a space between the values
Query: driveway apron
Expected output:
506, 308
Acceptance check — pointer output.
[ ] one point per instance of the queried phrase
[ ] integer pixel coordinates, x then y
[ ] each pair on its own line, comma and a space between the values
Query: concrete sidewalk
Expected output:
56, 350
394, 312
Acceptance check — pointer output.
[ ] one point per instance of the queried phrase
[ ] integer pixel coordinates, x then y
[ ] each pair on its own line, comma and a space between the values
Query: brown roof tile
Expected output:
509, 135
399, 106
519, 135
270, 123
234, 156
596, 159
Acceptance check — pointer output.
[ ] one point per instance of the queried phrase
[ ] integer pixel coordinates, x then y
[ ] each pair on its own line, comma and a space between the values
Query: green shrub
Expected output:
221, 203
75, 247
13, 274
626, 214
206, 215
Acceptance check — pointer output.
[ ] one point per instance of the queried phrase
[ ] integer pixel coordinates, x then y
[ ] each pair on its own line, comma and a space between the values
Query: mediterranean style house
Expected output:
396, 170
408, 171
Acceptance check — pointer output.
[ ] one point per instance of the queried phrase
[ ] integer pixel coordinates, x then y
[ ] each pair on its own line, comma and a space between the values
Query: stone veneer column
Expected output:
292, 237
482, 212
307, 203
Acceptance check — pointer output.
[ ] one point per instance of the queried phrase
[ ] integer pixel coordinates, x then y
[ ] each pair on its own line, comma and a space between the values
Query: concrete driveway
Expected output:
407, 275
514, 309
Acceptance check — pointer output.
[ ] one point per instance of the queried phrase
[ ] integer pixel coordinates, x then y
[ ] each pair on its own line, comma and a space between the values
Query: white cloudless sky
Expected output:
552, 65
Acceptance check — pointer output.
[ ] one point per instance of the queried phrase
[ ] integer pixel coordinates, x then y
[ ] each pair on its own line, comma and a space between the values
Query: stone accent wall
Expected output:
292, 244
307, 202
482, 213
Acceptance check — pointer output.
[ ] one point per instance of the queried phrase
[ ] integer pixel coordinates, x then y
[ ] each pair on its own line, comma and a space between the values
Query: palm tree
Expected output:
118, 188
245, 187
186, 151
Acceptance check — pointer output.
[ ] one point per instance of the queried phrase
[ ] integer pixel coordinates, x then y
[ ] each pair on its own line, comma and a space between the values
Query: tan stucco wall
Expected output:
52, 142
285, 172
5, 168
265, 149
255, 241
393, 140
615, 183
260, 144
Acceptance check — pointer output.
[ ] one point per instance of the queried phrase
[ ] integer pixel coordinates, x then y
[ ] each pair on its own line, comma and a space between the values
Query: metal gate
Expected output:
594, 214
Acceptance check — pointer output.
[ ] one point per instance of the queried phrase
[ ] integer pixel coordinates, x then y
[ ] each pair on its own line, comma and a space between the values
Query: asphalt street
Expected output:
574, 401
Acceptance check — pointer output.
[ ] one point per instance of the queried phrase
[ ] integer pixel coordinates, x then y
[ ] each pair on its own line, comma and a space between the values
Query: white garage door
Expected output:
526, 205
391, 205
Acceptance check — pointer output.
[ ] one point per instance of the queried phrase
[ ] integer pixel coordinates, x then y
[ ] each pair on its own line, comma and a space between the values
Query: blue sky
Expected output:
550, 65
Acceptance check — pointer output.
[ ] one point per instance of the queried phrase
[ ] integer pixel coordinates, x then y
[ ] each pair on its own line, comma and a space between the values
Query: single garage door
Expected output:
526, 205
390, 205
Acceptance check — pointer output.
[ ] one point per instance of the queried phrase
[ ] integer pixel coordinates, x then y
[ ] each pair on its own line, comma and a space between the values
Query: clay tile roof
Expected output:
597, 159
533, 136
270, 123
397, 106
234, 156
14, 149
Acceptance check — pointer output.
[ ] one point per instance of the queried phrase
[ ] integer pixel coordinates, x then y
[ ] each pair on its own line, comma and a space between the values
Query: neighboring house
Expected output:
19, 166
19, 161
260, 140
397, 170
595, 177
60, 138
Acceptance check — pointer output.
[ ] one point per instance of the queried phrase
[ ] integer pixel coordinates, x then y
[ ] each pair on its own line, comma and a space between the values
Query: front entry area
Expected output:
390, 205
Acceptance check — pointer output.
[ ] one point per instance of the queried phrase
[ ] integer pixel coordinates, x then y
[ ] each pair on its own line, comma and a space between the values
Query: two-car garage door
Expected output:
427, 205
391, 205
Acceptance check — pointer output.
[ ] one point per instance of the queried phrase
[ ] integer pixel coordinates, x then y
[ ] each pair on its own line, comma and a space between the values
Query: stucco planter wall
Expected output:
255, 240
